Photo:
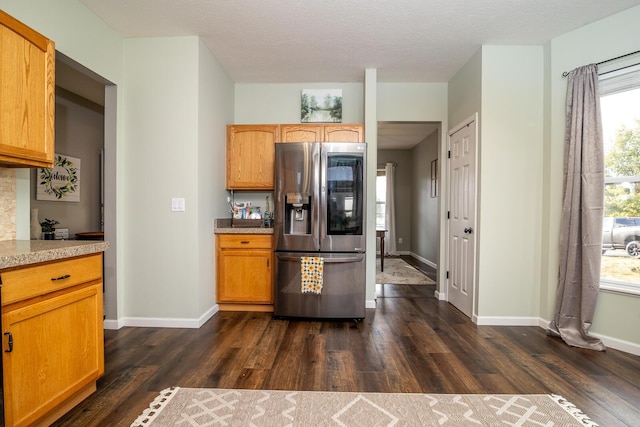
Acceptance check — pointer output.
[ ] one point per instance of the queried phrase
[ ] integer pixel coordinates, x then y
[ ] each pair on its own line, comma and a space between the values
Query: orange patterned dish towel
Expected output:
311, 269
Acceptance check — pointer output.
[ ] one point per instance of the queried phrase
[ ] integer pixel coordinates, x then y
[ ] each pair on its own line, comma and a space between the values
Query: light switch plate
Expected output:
177, 204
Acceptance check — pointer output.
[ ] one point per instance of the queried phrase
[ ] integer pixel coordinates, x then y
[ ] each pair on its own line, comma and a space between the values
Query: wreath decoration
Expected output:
48, 176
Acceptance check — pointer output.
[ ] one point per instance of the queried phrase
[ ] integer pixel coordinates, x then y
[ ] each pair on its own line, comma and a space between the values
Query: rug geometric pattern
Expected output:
226, 407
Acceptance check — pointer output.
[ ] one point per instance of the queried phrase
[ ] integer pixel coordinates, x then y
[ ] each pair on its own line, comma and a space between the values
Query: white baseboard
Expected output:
609, 342
149, 322
505, 321
618, 344
440, 296
426, 261
161, 322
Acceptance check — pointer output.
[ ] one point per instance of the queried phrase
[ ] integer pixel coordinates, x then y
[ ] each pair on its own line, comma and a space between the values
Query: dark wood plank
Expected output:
411, 343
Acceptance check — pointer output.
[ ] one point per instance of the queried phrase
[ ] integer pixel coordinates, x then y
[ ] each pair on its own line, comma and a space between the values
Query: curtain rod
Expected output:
566, 73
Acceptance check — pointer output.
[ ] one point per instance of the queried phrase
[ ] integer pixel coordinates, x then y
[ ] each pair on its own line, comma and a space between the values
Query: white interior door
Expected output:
462, 216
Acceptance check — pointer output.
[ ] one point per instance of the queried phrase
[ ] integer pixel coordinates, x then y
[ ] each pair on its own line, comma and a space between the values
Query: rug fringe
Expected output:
155, 407
573, 410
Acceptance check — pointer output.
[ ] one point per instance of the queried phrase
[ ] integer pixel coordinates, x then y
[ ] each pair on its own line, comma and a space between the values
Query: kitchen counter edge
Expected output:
223, 226
17, 253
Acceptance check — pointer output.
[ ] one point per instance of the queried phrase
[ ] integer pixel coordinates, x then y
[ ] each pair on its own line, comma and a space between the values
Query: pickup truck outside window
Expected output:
621, 233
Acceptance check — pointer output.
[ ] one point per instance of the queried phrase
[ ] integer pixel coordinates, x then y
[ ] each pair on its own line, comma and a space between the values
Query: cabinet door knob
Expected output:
66, 276
9, 342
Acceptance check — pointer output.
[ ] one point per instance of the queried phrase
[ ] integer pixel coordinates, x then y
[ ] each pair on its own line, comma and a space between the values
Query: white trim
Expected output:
620, 288
440, 296
618, 344
609, 342
370, 303
426, 261
113, 324
506, 321
162, 322
472, 119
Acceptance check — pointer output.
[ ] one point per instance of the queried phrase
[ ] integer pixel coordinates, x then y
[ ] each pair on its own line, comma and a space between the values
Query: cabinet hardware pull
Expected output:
10, 342
66, 276
244, 242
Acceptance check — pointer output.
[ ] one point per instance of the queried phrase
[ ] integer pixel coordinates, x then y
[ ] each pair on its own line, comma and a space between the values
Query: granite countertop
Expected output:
15, 253
223, 226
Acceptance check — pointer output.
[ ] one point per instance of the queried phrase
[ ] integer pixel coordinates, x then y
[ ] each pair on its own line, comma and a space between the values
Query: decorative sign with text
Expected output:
62, 182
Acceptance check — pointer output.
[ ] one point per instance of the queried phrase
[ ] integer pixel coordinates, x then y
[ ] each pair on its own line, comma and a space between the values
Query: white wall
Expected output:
510, 179
216, 100
424, 219
504, 85
161, 127
617, 316
421, 102
280, 103
178, 101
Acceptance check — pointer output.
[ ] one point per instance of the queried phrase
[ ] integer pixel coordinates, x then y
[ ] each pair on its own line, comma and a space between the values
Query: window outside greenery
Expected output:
621, 128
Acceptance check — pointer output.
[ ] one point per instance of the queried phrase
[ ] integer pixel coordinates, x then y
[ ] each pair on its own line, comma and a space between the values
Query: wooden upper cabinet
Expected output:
301, 133
251, 156
27, 100
343, 133
322, 133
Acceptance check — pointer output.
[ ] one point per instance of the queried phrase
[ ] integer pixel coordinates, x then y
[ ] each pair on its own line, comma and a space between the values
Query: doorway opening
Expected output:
86, 129
413, 148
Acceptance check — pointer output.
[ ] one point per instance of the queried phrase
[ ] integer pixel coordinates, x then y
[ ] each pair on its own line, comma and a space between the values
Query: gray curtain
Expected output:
582, 212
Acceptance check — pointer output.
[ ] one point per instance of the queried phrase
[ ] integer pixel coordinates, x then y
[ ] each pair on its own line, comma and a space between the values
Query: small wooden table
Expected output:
381, 234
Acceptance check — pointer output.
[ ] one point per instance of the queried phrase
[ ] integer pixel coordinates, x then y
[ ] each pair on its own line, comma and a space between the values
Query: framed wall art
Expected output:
60, 183
321, 106
434, 178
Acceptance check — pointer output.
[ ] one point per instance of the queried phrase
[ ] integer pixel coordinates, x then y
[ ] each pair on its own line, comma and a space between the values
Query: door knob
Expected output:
468, 230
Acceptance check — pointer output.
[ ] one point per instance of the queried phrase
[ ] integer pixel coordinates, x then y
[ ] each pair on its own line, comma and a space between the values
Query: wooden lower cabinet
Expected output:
53, 343
244, 271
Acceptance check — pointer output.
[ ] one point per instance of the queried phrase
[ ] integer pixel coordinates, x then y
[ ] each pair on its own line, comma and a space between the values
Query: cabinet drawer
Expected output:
237, 241
27, 282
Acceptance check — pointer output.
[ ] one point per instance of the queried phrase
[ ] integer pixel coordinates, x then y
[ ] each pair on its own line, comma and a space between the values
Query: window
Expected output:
381, 199
620, 106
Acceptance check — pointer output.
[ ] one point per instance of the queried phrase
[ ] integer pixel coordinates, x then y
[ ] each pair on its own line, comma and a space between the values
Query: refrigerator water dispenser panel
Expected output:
298, 220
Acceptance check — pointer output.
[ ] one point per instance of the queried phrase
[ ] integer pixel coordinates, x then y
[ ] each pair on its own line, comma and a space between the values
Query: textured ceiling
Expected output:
260, 41
297, 41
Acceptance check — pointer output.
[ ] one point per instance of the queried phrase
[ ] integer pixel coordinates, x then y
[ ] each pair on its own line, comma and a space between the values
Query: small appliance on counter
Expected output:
320, 205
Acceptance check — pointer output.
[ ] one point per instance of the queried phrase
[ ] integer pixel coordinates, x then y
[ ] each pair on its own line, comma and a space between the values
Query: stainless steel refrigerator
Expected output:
320, 205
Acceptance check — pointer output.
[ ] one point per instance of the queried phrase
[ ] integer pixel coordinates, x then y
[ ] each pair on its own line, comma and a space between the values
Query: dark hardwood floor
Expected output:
412, 343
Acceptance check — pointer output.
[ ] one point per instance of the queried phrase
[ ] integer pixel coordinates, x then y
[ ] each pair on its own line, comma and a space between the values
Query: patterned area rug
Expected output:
398, 272
207, 407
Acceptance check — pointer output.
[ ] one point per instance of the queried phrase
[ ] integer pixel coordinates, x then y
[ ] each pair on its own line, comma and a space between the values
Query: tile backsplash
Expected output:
7, 204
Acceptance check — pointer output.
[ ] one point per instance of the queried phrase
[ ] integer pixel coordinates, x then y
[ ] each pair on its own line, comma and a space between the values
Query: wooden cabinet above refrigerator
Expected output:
251, 148
307, 132
27, 104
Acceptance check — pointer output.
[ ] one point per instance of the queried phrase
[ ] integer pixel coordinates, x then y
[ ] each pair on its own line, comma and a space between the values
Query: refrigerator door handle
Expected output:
323, 195
319, 196
332, 260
